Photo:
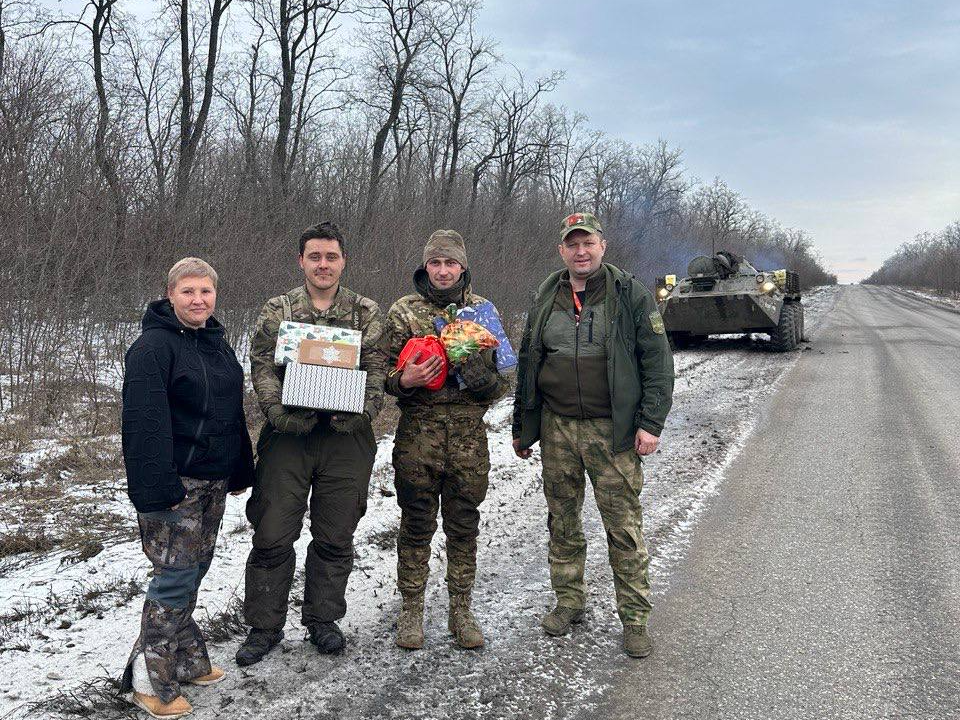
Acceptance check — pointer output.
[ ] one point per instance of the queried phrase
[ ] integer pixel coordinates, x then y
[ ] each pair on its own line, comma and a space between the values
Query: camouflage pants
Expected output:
180, 544
568, 447
441, 464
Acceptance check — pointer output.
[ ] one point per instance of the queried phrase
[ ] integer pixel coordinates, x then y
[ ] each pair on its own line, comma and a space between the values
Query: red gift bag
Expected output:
427, 347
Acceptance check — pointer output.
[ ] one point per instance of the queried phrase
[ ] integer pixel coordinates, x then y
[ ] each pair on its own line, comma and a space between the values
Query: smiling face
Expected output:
582, 252
194, 299
443, 272
322, 263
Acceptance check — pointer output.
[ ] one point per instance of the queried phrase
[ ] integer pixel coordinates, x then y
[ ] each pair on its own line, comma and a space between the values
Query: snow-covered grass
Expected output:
64, 624
932, 297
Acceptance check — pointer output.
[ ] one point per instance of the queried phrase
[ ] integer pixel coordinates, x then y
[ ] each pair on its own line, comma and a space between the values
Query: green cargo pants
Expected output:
442, 464
569, 446
333, 470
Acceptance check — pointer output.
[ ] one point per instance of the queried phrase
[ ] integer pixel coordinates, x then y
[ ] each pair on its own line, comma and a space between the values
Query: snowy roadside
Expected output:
930, 297
79, 619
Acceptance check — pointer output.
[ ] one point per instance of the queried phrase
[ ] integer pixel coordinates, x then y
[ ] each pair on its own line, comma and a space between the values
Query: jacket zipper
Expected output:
206, 399
576, 364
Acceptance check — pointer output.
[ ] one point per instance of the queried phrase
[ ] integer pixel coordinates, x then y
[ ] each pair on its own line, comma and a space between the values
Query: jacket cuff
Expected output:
392, 386
651, 426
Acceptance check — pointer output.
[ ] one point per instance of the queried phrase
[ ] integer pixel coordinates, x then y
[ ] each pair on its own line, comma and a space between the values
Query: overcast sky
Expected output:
841, 118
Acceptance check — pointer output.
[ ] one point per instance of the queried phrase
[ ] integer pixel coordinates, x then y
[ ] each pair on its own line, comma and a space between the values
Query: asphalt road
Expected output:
823, 580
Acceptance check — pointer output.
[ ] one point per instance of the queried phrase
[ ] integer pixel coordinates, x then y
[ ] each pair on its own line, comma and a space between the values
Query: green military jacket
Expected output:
639, 363
412, 316
349, 310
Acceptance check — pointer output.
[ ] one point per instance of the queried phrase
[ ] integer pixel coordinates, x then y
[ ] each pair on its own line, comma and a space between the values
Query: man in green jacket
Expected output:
594, 386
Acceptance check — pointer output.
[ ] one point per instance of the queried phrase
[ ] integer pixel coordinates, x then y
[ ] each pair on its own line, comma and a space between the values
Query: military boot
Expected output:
636, 641
463, 625
410, 623
558, 621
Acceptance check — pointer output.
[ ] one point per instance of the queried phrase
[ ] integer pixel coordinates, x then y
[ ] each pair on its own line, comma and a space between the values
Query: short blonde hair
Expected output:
190, 267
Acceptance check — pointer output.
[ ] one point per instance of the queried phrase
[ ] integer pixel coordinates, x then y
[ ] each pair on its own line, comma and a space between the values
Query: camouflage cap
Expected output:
580, 221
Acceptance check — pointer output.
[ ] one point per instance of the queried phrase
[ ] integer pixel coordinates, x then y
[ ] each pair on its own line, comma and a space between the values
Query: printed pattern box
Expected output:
291, 334
319, 387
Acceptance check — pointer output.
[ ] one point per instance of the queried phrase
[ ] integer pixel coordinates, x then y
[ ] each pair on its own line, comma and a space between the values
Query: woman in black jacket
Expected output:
185, 446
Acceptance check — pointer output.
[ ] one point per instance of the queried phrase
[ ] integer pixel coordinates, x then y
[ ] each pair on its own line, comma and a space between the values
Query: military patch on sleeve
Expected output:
656, 322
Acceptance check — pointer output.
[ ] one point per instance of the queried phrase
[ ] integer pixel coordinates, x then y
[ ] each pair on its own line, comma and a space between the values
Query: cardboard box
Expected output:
291, 334
331, 354
319, 387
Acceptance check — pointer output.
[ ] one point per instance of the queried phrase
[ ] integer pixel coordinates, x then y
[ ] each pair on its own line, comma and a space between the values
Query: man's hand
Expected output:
645, 443
479, 370
295, 422
414, 375
346, 423
525, 453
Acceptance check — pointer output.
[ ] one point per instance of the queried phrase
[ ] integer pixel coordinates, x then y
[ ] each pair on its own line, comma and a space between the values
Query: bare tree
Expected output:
462, 57
406, 24
192, 124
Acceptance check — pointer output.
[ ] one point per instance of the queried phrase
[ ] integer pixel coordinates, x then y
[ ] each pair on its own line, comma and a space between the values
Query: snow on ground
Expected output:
931, 297
75, 622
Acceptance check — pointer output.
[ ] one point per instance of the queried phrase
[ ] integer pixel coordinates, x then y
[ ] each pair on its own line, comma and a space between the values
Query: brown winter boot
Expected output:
410, 622
211, 678
155, 707
463, 625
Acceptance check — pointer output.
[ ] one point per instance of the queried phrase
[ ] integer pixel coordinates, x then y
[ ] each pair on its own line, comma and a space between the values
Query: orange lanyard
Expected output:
577, 306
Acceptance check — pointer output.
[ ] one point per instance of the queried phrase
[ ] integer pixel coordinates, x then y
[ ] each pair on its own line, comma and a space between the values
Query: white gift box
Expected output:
320, 387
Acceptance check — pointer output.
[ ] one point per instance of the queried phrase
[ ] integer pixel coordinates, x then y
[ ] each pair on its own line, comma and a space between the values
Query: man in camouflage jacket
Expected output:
305, 453
440, 454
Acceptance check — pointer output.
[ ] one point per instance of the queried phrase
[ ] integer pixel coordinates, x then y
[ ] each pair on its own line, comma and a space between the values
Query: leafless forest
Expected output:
930, 260
221, 128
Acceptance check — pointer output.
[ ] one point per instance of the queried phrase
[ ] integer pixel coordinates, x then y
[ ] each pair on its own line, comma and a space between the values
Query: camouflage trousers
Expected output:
441, 464
180, 544
569, 446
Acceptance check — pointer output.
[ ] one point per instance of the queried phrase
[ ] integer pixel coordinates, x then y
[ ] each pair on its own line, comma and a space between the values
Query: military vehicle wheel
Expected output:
684, 340
784, 337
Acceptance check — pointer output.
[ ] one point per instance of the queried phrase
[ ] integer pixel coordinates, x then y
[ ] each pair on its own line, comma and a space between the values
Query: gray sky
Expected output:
840, 118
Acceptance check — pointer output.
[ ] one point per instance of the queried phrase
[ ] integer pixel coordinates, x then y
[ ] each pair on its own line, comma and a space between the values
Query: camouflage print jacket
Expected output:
349, 310
412, 316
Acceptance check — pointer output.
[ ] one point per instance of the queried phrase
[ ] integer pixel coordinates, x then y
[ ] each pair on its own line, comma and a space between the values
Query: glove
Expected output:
479, 370
295, 422
347, 423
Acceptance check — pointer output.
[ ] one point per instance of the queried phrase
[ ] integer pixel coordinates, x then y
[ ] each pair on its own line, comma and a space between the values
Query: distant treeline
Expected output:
221, 128
930, 260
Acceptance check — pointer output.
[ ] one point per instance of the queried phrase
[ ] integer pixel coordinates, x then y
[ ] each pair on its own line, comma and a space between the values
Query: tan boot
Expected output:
410, 623
463, 625
155, 707
211, 678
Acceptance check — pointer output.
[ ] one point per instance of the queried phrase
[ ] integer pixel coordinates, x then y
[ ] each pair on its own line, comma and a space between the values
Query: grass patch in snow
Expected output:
224, 624
94, 698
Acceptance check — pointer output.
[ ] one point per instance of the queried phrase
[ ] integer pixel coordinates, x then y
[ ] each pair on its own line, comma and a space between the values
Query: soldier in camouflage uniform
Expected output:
594, 386
305, 453
440, 454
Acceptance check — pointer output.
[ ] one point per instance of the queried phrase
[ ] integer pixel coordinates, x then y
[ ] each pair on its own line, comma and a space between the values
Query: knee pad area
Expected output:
173, 587
269, 558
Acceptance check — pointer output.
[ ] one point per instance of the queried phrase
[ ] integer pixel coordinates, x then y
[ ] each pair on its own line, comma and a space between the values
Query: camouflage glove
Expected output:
479, 371
347, 423
295, 421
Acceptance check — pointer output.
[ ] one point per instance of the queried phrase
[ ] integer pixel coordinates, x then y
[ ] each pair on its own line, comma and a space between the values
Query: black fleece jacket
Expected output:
182, 410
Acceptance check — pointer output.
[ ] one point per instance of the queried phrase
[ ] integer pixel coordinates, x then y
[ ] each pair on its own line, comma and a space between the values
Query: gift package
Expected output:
292, 334
321, 387
485, 315
322, 367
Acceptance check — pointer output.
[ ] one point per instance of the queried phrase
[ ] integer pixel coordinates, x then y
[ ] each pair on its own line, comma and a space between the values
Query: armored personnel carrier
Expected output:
726, 294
